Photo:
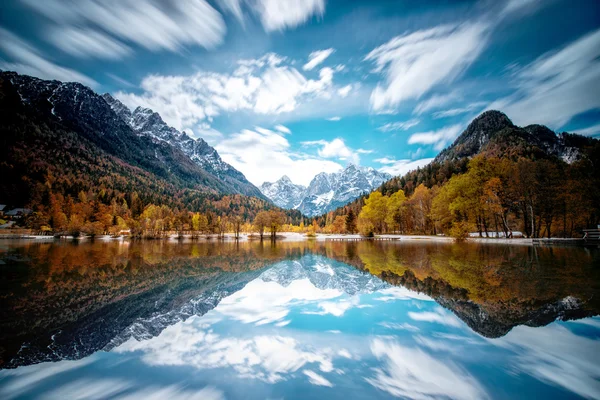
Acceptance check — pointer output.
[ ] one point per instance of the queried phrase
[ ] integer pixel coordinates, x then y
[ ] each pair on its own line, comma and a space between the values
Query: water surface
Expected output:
212, 320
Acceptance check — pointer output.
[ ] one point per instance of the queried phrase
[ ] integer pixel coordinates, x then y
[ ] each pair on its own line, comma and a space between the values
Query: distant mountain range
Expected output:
51, 128
326, 191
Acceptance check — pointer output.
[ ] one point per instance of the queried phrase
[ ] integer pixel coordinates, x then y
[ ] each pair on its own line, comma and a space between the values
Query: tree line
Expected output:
494, 196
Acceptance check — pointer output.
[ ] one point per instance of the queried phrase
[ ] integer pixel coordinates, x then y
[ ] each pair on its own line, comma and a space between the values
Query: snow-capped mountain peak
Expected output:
146, 122
326, 191
283, 192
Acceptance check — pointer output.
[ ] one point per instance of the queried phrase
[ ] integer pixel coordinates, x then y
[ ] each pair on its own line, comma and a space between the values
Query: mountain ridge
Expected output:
56, 129
147, 122
326, 191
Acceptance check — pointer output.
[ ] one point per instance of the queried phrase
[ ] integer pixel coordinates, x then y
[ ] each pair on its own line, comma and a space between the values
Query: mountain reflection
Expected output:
298, 320
66, 301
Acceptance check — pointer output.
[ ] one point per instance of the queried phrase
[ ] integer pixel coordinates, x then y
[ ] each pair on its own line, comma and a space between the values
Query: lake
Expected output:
298, 320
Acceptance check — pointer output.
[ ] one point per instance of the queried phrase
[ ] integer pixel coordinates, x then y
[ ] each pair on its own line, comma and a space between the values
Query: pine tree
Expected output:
350, 222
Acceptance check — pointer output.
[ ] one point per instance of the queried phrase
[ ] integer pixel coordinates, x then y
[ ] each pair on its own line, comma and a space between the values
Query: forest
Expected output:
537, 197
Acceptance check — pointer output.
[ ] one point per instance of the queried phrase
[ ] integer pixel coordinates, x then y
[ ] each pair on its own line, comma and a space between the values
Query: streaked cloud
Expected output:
439, 138
413, 64
275, 15
557, 86
29, 61
399, 126
152, 24
401, 167
415, 374
317, 57
438, 316
317, 379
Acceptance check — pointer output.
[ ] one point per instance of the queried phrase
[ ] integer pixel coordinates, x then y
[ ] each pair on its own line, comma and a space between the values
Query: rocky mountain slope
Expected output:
148, 123
494, 132
51, 130
326, 191
283, 193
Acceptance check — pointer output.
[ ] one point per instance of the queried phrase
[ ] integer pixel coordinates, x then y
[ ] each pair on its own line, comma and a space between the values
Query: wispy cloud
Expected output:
317, 57
434, 102
414, 64
28, 60
460, 110
412, 373
153, 24
439, 138
399, 126
557, 86
401, 167
589, 131
334, 118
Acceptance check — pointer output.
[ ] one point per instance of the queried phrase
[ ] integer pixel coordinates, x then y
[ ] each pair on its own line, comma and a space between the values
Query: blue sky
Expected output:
303, 86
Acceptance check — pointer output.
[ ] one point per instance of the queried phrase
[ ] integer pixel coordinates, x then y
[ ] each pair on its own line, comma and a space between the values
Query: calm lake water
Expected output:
210, 320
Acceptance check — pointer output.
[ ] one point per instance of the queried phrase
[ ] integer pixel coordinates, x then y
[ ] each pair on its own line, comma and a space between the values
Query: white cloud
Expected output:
415, 63
336, 118
27, 60
153, 24
434, 102
26, 377
174, 392
266, 156
267, 358
283, 129
86, 388
439, 138
399, 326
399, 126
344, 91
555, 354
317, 379
401, 167
364, 151
277, 15
460, 110
263, 302
335, 149
263, 86
589, 131
87, 43
439, 316
317, 57
402, 293
557, 86
413, 373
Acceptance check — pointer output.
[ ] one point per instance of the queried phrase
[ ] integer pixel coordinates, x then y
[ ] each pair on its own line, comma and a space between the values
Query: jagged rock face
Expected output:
326, 191
283, 193
494, 128
138, 139
146, 122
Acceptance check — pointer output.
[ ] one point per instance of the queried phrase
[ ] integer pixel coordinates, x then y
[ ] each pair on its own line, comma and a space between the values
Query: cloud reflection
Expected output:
413, 373
556, 355
268, 357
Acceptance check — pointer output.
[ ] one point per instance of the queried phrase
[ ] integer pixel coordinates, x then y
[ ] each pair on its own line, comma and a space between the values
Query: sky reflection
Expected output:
317, 328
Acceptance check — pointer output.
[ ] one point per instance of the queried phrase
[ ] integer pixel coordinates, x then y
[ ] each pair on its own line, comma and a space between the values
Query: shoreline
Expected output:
298, 237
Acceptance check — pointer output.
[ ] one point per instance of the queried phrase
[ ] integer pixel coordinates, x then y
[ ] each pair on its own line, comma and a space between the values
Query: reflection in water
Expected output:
298, 320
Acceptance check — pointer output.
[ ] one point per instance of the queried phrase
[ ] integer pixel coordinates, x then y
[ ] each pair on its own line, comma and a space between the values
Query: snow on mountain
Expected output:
326, 191
283, 193
148, 123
